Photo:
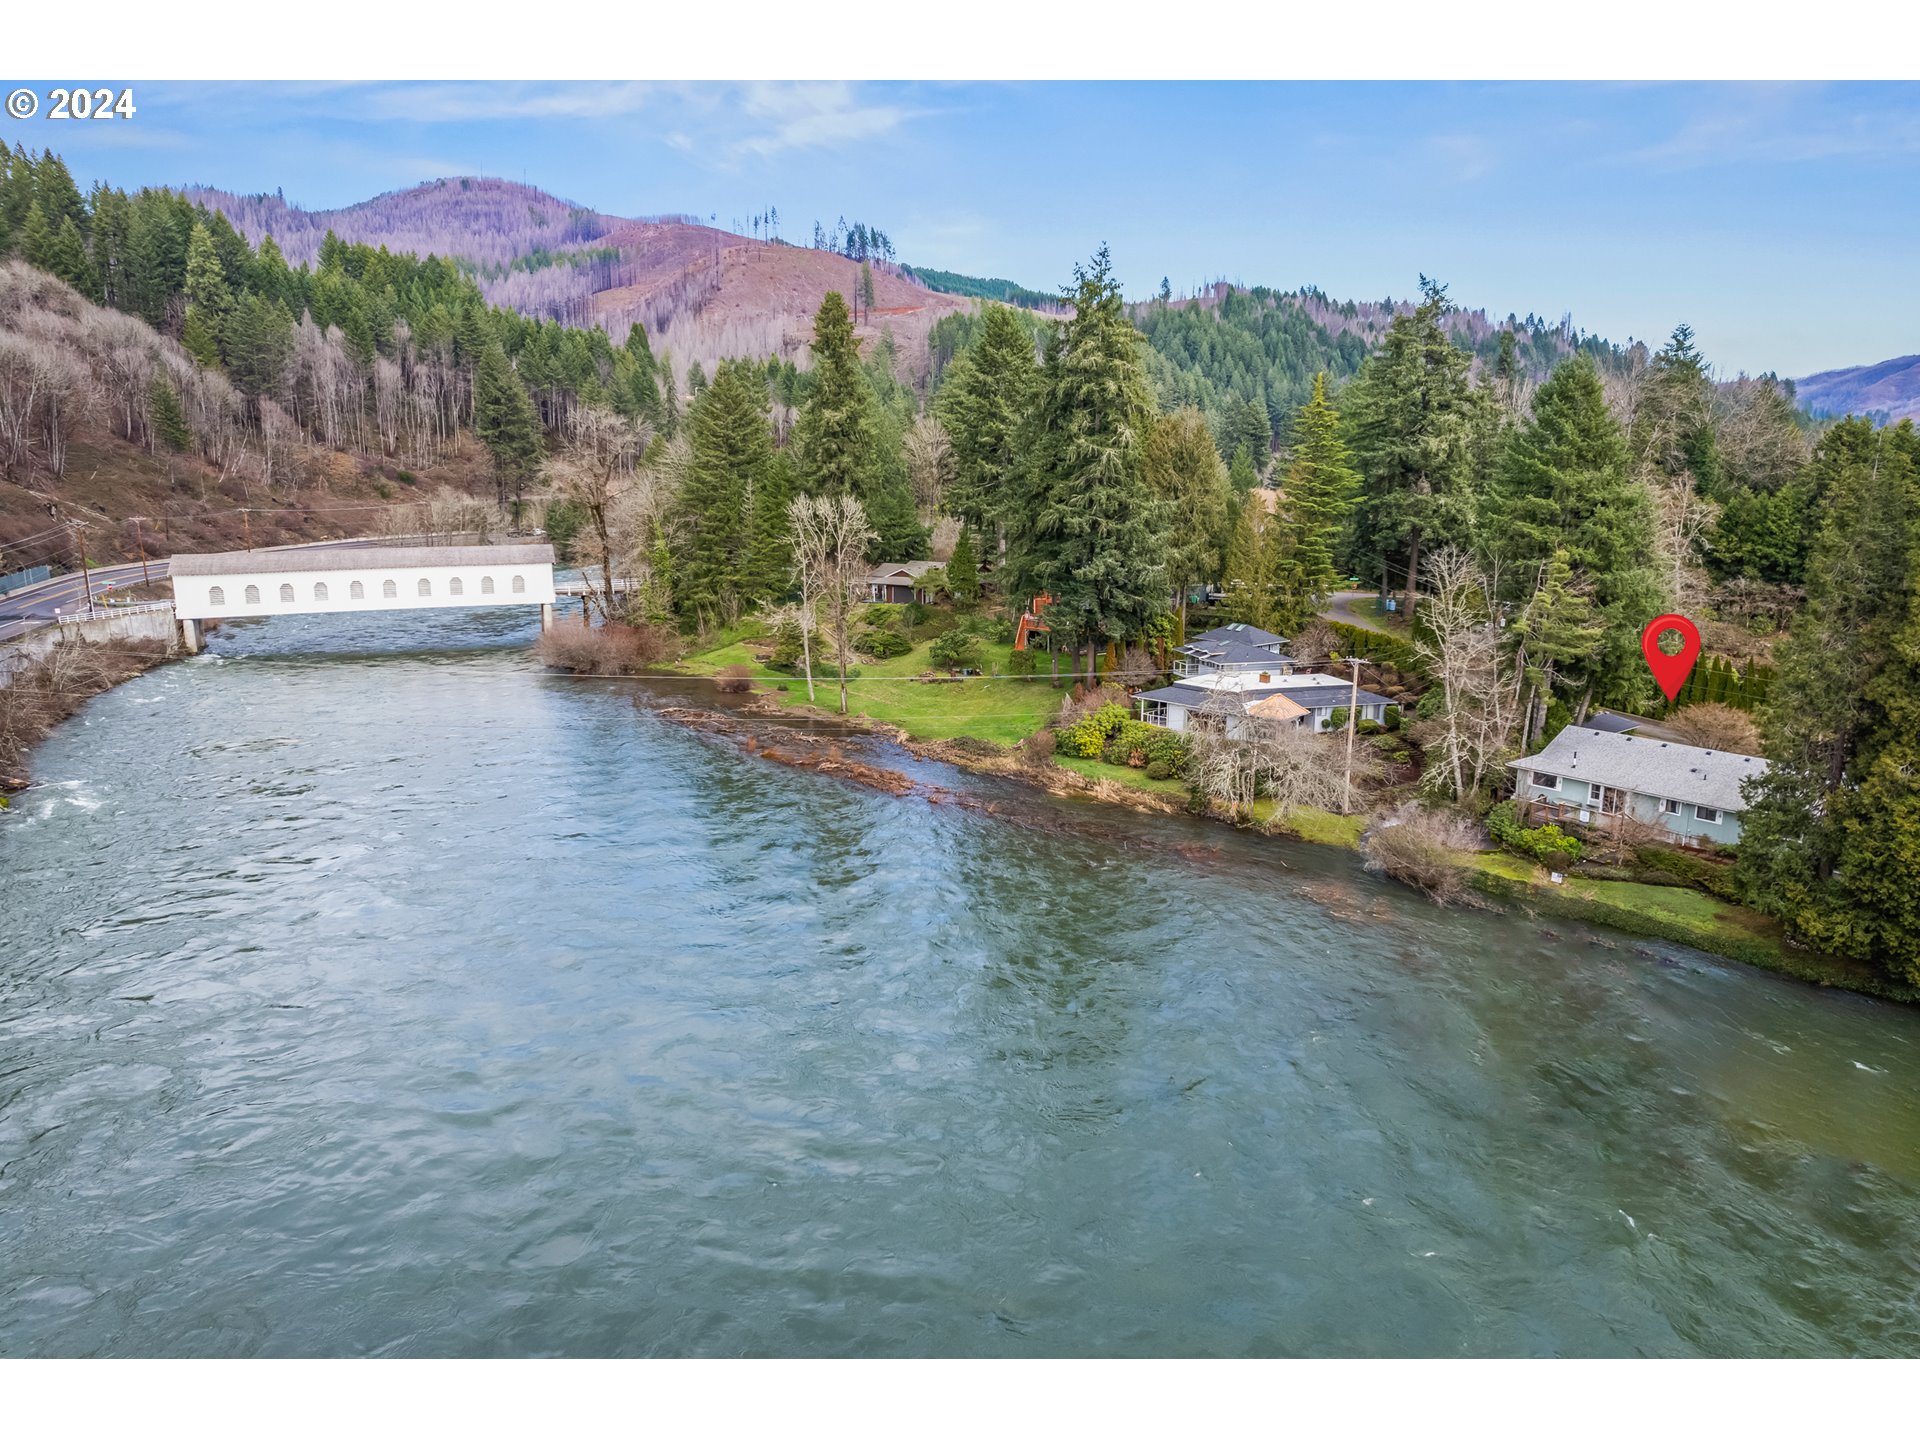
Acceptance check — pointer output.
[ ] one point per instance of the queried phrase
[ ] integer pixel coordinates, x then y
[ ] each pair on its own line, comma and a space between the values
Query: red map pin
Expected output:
1670, 671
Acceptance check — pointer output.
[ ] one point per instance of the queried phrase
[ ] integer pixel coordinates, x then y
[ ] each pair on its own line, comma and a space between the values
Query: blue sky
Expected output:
1781, 221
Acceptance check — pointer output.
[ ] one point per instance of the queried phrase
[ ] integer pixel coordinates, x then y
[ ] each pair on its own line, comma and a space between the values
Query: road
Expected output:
30, 608
1342, 607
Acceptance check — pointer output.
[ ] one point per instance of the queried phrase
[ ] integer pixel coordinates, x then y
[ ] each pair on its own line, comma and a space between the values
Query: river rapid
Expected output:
366, 990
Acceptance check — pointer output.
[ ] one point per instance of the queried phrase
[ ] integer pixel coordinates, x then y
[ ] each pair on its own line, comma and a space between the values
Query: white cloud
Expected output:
811, 115
444, 103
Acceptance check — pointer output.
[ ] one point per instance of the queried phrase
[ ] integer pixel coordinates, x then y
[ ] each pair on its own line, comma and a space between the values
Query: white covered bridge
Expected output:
330, 581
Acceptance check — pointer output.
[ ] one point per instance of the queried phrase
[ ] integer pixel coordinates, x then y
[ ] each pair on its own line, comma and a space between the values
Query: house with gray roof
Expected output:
900, 582
1228, 649
1308, 700
1587, 776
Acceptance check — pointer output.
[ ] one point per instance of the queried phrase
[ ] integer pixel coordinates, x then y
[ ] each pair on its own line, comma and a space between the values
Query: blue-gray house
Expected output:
1585, 777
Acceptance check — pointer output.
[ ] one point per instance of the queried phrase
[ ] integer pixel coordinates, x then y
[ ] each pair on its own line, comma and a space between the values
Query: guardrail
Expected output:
109, 607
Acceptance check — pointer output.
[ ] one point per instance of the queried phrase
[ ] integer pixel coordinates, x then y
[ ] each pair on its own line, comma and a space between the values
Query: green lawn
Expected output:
1123, 775
1003, 710
1322, 827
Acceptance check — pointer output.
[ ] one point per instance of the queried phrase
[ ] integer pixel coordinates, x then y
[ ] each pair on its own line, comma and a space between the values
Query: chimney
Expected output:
1264, 677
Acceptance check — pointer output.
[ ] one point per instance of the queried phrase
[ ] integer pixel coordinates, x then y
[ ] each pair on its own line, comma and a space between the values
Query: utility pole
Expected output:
246, 519
86, 577
141, 540
1353, 706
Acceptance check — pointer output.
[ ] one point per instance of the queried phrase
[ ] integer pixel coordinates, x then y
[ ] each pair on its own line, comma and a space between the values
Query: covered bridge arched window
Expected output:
216, 596
426, 586
253, 594
519, 584
389, 590
320, 590
286, 594
356, 591
454, 587
486, 584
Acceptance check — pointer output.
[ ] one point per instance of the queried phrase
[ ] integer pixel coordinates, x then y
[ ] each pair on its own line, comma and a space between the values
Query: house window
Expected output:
486, 584
389, 590
1546, 782
357, 591
519, 584
1706, 814
1154, 712
1669, 807
253, 594
1594, 792
286, 594
426, 586
216, 596
454, 587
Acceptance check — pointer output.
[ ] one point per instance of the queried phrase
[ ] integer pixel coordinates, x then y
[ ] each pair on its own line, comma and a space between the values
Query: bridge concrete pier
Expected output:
190, 639
546, 618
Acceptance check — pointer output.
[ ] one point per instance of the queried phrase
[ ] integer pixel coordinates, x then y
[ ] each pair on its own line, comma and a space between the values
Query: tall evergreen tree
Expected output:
1563, 487
963, 570
836, 440
1318, 499
1252, 594
1088, 529
1412, 414
505, 420
725, 501
1184, 470
988, 392
1831, 713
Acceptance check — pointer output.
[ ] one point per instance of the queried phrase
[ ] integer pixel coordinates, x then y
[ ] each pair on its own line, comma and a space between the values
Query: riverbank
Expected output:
976, 724
54, 686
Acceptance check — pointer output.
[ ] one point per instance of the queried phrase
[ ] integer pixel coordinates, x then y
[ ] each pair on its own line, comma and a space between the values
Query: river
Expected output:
366, 990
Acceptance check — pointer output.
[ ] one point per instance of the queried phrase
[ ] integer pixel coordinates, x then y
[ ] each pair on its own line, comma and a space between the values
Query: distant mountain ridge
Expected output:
702, 293
1889, 390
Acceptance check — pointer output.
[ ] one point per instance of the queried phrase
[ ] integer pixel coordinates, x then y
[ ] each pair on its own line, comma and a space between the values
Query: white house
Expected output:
1587, 776
1310, 699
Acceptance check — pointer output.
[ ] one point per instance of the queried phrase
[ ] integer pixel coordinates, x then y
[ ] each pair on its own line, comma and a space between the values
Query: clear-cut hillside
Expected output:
702, 293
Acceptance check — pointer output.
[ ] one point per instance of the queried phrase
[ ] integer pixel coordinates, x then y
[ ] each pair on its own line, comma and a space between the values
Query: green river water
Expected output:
365, 989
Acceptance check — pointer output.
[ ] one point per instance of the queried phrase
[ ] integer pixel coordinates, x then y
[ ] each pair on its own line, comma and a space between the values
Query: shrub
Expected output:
1369, 727
1087, 737
1424, 849
957, 649
1548, 844
1023, 662
616, 649
1430, 704
999, 629
1159, 770
1038, 747
882, 644
787, 649
1391, 718
1687, 869
1338, 719
733, 679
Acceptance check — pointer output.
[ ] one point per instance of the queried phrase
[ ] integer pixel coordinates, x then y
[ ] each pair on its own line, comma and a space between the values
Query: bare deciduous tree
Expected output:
593, 471
929, 464
1237, 758
830, 535
1474, 731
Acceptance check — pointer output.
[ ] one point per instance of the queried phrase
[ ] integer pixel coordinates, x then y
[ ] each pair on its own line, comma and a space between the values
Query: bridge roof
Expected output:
370, 557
